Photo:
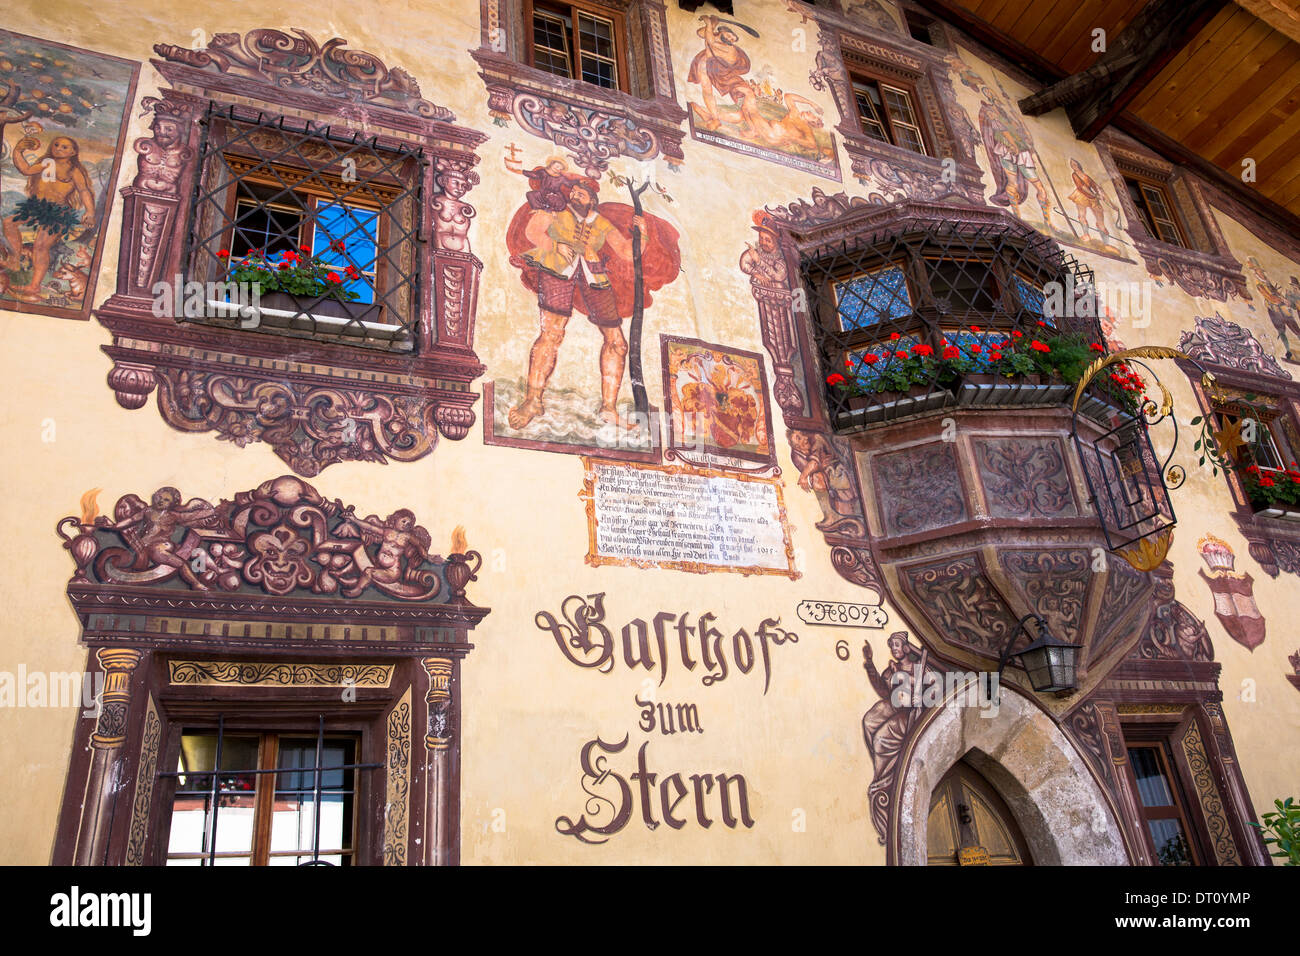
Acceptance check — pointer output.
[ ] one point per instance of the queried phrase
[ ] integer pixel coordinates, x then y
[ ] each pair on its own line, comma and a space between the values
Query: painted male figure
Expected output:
568, 250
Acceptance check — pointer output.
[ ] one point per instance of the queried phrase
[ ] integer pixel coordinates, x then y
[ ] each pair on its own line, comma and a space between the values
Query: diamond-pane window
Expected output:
867, 299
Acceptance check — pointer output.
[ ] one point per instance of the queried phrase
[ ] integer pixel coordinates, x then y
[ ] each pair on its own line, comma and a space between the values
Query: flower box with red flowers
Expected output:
302, 293
1274, 492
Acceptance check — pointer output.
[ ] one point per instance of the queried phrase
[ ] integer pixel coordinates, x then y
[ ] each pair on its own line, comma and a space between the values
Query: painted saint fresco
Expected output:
577, 253
738, 107
62, 113
718, 398
1086, 216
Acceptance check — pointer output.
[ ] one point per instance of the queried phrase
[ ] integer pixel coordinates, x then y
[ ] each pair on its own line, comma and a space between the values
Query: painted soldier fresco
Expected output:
1281, 307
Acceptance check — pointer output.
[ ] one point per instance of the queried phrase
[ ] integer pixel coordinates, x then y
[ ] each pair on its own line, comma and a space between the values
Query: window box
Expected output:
886, 406
986, 389
1282, 514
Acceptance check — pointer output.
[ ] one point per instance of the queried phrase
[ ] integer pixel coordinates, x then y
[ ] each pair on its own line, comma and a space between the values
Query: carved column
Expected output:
442, 814
106, 760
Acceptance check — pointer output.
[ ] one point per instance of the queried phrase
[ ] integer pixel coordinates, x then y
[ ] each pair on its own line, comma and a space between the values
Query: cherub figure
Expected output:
157, 523
400, 540
549, 184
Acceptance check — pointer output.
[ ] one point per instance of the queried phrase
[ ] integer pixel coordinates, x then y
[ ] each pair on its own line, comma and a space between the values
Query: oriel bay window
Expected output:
325, 225
950, 302
578, 41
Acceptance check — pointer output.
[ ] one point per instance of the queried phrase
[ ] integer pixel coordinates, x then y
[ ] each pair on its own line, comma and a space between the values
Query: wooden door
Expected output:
970, 824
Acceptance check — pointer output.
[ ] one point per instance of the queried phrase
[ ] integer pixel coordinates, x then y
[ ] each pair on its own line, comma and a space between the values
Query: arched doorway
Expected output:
970, 824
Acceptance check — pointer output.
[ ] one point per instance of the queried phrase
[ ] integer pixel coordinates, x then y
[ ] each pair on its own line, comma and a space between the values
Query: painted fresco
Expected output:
743, 107
574, 250
717, 398
706, 710
1068, 196
62, 121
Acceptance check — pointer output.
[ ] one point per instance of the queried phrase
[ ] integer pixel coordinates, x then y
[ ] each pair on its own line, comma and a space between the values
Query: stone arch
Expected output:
1045, 781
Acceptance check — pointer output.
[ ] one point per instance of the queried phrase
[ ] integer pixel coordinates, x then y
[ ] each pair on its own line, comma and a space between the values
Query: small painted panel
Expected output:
919, 489
1025, 477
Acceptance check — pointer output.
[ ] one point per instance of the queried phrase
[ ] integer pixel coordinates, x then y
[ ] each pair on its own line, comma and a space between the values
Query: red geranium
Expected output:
995, 356
835, 379
900, 354
1038, 346
976, 328
334, 277
920, 348
223, 253
871, 358
976, 349
951, 352
894, 336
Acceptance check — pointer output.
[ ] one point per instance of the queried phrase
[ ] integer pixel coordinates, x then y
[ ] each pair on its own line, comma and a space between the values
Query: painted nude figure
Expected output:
59, 199
452, 215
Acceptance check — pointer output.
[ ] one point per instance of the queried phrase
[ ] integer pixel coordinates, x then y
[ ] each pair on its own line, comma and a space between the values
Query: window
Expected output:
279, 799
578, 42
325, 225
1162, 806
1157, 211
886, 114
1271, 448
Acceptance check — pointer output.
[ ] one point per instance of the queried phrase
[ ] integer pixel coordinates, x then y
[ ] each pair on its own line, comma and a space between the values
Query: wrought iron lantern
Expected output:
1049, 661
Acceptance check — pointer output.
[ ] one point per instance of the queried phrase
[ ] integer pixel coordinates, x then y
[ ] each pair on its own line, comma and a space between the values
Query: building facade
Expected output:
625, 431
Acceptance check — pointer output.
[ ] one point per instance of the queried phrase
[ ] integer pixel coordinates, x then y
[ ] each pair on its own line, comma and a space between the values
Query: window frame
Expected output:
229, 155
1153, 730
296, 715
267, 772
1149, 218
1177, 810
859, 77
619, 30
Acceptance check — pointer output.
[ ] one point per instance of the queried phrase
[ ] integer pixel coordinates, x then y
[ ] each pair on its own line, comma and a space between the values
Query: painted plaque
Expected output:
667, 516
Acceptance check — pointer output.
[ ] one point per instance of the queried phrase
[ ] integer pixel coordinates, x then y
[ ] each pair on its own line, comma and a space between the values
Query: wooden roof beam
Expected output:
1094, 97
1281, 15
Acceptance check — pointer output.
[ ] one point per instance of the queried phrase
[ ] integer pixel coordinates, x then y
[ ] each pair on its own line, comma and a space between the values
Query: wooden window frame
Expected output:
1161, 734
268, 743
282, 718
858, 77
307, 226
1149, 218
619, 30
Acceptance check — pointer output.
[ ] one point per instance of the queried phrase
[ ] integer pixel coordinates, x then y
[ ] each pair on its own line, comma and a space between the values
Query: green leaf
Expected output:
1196, 420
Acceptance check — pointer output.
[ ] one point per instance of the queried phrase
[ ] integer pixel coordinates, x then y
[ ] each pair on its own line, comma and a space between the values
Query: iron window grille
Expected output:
937, 285
216, 784
274, 188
